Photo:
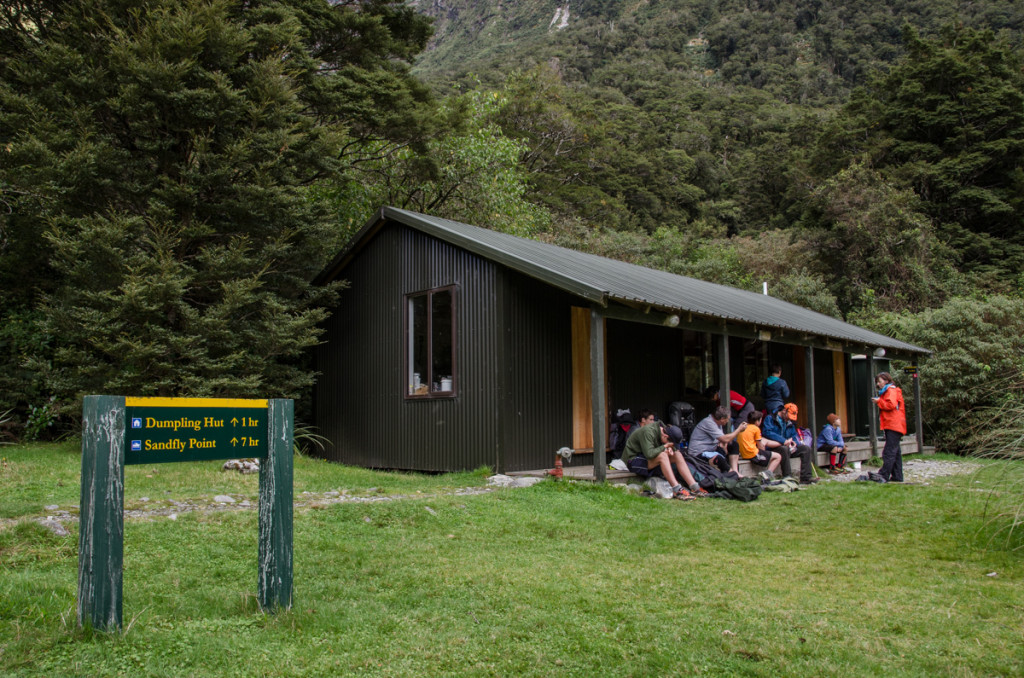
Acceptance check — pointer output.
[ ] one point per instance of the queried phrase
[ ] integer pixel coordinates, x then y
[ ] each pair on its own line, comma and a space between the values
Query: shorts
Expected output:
638, 465
762, 458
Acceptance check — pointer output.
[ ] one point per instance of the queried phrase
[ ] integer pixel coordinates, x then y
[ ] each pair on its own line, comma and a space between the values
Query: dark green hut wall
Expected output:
513, 364
359, 400
536, 398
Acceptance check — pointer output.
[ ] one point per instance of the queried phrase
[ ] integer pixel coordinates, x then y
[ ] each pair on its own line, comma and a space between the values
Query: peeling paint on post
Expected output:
274, 586
101, 517
211, 428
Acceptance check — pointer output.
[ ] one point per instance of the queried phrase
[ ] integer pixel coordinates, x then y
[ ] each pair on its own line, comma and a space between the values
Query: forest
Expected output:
174, 174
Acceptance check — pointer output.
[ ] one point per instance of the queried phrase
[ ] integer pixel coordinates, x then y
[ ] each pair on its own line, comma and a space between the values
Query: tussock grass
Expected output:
559, 579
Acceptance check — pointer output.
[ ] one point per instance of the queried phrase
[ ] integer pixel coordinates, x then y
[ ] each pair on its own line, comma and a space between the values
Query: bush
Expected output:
978, 346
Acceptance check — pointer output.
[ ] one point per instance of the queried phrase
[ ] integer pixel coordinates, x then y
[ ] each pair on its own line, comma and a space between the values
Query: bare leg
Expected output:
665, 463
684, 470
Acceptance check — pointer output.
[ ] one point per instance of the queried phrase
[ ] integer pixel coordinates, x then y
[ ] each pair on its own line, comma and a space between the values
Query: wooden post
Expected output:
274, 585
101, 514
872, 409
599, 408
723, 376
812, 413
918, 423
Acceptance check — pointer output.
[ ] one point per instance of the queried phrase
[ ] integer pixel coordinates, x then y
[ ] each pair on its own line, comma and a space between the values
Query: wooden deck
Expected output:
858, 450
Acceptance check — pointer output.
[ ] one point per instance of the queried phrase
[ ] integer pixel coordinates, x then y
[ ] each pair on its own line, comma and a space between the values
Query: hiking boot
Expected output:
766, 476
808, 481
683, 494
701, 492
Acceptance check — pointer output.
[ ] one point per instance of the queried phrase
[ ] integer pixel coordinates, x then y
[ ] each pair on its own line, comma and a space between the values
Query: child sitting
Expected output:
831, 440
753, 447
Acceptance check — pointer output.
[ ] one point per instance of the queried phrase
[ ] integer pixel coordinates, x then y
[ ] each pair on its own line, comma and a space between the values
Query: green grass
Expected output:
558, 579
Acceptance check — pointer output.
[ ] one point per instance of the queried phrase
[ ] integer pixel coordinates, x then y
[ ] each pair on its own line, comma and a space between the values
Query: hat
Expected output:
831, 419
791, 409
674, 433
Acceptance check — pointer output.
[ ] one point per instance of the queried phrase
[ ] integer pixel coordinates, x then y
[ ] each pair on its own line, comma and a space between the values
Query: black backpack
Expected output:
682, 415
622, 423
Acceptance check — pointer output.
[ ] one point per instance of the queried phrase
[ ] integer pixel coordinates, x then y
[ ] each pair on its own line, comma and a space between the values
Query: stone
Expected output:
51, 507
54, 526
525, 482
223, 499
500, 480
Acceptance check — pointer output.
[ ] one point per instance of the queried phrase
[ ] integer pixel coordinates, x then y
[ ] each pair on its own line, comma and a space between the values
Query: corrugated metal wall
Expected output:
359, 399
537, 402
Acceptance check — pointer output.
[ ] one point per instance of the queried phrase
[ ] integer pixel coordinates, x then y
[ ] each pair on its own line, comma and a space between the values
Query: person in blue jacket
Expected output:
831, 440
775, 390
781, 428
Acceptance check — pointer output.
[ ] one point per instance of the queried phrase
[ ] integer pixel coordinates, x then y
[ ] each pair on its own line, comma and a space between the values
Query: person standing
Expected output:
893, 418
775, 390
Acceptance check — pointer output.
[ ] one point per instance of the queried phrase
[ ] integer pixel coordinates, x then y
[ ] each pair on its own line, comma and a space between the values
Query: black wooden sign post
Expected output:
117, 430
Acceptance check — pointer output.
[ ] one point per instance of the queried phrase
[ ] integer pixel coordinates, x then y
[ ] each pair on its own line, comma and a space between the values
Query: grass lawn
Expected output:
841, 579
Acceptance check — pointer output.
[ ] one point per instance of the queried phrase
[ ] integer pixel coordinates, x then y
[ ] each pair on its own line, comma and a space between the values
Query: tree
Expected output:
475, 175
159, 156
948, 120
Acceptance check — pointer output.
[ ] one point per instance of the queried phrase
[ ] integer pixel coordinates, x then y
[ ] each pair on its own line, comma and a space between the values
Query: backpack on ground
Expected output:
705, 473
782, 485
622, 423
741, 489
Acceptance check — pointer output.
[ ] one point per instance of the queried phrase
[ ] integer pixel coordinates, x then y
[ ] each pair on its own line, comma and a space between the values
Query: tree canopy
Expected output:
156, 172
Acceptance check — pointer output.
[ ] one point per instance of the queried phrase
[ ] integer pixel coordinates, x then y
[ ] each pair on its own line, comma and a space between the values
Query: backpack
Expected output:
682, 415
742, 489
705, 473
622, 423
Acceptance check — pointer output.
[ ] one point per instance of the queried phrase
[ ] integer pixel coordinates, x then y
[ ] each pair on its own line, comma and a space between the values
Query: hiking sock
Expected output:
842, 459
695, 487
675, 490
831, 459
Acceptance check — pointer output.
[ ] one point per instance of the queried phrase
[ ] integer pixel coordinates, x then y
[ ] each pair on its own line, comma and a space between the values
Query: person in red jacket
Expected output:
894, 424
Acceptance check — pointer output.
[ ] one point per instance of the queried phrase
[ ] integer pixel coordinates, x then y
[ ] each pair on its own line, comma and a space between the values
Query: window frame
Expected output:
408, 348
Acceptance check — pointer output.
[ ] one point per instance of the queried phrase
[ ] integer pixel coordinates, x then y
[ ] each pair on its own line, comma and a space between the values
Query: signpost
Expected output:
117, 430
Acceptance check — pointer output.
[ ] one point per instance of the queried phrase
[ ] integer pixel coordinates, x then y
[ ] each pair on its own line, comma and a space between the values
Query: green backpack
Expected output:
743, 489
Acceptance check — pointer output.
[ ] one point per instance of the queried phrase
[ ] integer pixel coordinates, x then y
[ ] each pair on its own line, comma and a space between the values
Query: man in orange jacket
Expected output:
894, 424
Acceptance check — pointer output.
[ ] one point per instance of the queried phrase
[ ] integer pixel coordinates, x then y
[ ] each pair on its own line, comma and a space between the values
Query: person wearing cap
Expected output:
781, 428
710, 441
653, 450
741, 407
830, 440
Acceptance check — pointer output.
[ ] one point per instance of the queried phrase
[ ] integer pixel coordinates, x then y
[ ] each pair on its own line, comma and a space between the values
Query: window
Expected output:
431, 352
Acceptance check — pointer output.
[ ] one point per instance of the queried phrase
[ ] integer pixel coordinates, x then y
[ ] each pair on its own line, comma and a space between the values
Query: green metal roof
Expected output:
603, 281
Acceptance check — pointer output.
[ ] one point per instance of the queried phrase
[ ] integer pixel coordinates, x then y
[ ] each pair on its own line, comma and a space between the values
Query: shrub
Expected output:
978, 346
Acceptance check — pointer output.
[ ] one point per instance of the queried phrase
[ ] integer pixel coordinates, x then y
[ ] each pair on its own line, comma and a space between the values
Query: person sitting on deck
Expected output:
710, 441
774, 391
781, 428
645, 417
653, 450
754, 448
830, 440
741, 407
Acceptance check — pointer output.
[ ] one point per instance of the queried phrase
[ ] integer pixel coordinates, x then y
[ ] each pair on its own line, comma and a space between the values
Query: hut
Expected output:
456, 347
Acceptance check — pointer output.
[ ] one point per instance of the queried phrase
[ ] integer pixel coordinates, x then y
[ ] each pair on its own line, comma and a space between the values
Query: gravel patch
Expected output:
920, 471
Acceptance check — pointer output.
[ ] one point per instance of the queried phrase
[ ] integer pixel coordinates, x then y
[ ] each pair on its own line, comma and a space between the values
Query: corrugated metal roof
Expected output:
602, 280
